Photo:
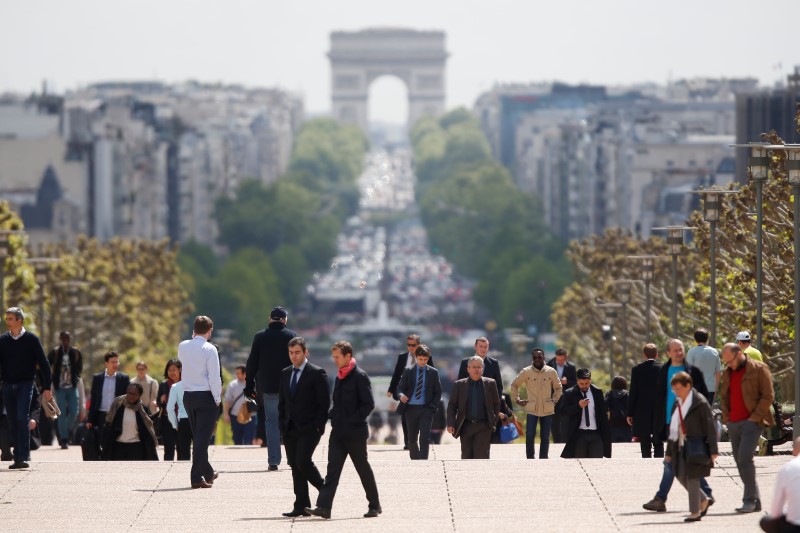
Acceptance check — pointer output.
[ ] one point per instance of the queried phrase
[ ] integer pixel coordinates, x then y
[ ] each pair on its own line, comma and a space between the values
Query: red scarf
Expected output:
346, 370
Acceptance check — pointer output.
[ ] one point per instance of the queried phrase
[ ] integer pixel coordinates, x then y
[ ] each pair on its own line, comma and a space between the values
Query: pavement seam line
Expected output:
14, 485
449, 497
599, 497
152, 492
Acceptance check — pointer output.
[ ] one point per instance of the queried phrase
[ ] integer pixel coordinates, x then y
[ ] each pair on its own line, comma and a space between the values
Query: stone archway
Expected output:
416, 57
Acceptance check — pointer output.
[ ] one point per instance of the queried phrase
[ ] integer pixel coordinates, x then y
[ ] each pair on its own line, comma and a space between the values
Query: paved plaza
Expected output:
507, 493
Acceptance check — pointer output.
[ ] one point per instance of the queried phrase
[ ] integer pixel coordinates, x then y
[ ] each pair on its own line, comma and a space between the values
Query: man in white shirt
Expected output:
785, 513
234, 399
202, 393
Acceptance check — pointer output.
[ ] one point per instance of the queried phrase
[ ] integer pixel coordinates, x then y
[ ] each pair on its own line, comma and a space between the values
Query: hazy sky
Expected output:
284, 42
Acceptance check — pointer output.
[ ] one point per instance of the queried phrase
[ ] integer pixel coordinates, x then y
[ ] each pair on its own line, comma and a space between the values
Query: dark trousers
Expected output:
5, 440
778, 525
170, 437
418, 419
202, 413
338, 450
183, 439
243, 434
620, 433
127, 451
647, 442
300, 446
476, 440
99, 422
546, 423
559, 431
17, 401
588, 444
404, 423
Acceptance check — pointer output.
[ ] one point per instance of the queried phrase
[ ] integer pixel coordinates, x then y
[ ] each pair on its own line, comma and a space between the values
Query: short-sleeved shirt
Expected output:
706, 359
753, 353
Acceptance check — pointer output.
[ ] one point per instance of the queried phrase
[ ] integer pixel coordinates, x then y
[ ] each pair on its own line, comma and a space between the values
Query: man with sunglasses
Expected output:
405, 360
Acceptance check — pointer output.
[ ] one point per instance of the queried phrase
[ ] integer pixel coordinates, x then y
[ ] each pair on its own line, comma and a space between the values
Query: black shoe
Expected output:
749, 507
216, 475
295, 514
704, 511
272, 468
17, 466
319, 511
64, 445
202, 484
693, 518
372, 513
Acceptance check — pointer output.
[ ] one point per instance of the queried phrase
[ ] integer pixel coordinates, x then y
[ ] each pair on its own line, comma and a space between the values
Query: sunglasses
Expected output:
412, 345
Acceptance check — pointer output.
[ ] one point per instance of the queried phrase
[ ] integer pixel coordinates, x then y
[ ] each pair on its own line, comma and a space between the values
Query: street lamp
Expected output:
40, 265
624, 287
648, 273
711, 206
793, 168
610, 310
675, 244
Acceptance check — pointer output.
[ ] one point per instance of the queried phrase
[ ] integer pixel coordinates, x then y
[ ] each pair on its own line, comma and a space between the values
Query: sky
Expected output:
283, 43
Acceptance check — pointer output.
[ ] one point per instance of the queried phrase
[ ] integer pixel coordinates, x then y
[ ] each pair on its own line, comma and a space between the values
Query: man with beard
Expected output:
543, 390
588, 435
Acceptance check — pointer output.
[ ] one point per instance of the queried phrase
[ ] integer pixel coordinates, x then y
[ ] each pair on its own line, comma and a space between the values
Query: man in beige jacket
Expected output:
543, 392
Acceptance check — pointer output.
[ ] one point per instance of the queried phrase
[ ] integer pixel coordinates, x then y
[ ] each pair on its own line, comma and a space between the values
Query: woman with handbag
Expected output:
692, 445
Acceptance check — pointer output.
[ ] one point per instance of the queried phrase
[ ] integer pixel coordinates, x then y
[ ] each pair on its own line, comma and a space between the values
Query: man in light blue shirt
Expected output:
202, 388
706, 359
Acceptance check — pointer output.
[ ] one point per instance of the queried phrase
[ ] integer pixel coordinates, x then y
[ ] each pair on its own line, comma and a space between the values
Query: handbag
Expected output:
695, 449
508, 431
516, 422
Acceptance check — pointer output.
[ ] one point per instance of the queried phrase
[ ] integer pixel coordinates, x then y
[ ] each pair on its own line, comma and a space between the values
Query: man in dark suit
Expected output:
491, 367
420, 391
405, 360
303, 403
473, 411
352, 404
587, 421
641, 404
566, 374
106, 386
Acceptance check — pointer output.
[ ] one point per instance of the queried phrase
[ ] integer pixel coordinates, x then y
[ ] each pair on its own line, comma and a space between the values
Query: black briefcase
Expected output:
90, 445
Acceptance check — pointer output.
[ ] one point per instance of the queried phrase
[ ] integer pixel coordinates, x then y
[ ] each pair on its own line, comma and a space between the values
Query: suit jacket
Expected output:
352, 404
491, 370
573, 411
660, 413
458, 407
120, 389
642, 400
399, 368
433, 388
307, 410
570, 372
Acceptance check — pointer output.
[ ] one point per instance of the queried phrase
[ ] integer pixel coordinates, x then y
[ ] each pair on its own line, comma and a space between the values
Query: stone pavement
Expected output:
61, 493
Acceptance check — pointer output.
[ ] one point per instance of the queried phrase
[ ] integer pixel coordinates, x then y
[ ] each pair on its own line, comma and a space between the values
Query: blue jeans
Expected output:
244, 433
272, 429
17, 401
546, 422
669, 476
67, 400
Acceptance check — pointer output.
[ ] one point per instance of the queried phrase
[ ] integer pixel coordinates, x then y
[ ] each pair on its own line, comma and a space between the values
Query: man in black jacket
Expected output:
303, 412
352, 404
106, 386
491, 367
641, 404
405, 360
587, 421
67, 364
566, 374
269, 355
664, 400
20, 353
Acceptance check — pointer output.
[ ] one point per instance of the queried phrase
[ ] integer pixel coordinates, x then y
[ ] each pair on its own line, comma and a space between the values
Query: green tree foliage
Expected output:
481, 221
19, 280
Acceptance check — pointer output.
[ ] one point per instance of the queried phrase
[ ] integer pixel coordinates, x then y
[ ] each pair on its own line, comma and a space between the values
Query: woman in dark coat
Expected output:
169, 436
691, 418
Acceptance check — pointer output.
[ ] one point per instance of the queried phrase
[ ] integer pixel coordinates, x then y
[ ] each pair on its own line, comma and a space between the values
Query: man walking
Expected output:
544, 390
641, 404
20, 353
106, 386
405, 361
706, 358
420, 392
149, 386
67, 364
746, 397
473, 411
744, 340
566, 374
587, 423
202, 388
352, 404
303, 412
269, 355
234, 400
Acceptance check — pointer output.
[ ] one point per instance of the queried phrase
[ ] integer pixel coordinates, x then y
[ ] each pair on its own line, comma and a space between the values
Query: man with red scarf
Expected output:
352, 404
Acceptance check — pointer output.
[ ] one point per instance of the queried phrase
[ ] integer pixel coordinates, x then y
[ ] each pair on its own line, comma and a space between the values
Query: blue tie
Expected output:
293, 384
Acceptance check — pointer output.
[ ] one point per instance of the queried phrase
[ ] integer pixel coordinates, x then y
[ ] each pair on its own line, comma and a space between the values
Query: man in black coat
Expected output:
641, 403
491, 367
664, 400
420, 392
303, 404
67, 364
106, 386
405, 360
269, 355
352, 404
566, 374
587, 421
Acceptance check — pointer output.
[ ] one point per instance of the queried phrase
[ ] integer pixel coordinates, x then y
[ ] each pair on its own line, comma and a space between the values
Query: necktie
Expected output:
293, 384
418, 391
586, 410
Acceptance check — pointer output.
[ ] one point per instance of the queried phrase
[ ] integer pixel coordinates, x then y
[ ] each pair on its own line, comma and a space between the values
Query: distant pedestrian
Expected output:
543, 391
420, 392
179, 421
473, 411
66, 362
106, 386
169, 435
585, 408
566, 374
617, 405
706, 358
405, 361
129, 434
641, 403
235, 401
744, 341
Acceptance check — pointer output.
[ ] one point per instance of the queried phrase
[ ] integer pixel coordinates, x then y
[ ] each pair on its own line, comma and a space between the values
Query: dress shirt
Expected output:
411, 360
200, 370
413, 400
21, 333
592, 419
176, 398
109, 388
560, 370
787, 492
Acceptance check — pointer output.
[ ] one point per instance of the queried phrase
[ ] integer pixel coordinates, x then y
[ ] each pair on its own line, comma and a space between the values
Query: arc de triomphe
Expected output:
416, 57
